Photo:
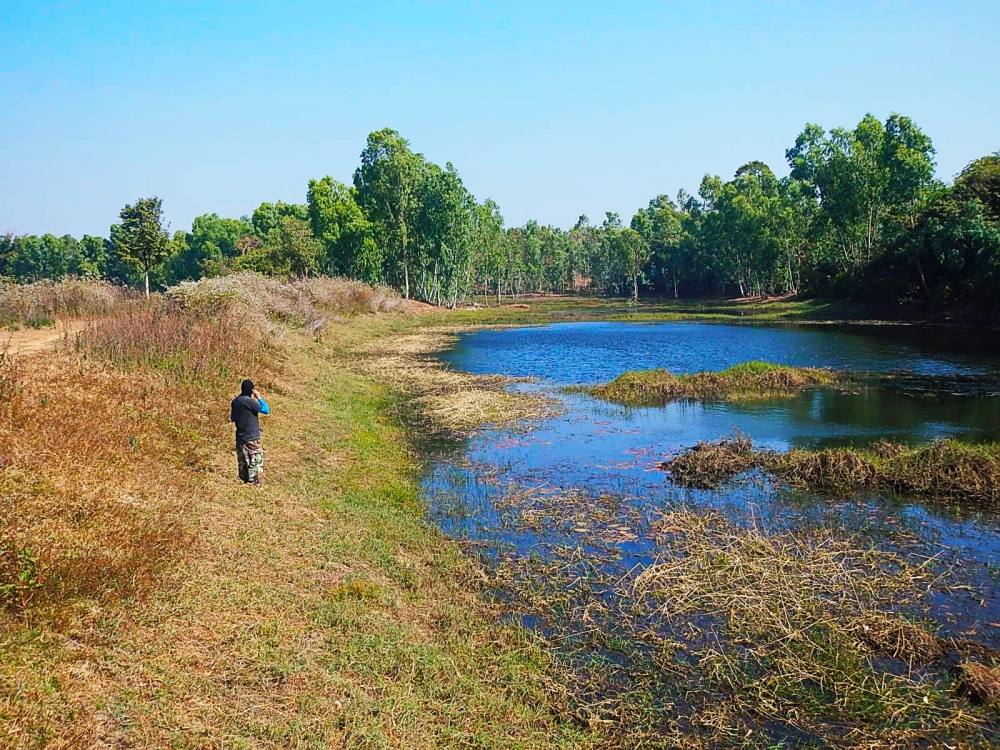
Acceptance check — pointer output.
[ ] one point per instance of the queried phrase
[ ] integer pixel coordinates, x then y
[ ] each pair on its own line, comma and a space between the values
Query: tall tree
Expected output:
290, 250
142, 238
489, 246
864, 179
339, 222
387, 182
660, 226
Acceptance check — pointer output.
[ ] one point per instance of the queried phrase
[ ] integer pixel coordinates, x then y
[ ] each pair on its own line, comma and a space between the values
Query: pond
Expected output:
602, 451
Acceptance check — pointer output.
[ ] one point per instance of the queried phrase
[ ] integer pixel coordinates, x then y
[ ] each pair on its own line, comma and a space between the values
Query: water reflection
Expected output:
603, 448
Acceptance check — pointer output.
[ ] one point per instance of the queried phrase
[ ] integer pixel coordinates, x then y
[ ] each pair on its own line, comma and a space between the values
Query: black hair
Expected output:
246, 387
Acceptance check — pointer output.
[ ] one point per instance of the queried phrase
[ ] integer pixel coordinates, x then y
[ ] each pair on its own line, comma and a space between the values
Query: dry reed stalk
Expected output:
451, 401
187, 346
805, 609
266, 303
944, 469
40, 303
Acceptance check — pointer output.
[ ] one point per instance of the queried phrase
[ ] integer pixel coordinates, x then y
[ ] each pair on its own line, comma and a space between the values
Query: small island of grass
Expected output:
746, 381
946, 469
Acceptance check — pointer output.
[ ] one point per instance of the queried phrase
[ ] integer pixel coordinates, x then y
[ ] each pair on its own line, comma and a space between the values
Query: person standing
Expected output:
244, 413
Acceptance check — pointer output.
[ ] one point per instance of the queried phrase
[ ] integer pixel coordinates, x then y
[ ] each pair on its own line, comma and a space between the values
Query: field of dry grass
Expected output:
149, 600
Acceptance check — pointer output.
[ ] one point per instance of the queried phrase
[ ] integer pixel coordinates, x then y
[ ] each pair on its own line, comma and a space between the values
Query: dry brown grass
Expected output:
97, 470
450, 401
77, 431
185, 346
163, 604
40, 303
708, 465
981, 681
263, 301
806, 617
944, 469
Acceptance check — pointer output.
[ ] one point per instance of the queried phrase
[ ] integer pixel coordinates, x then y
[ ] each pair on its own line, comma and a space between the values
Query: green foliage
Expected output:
140, 237
18, 575
290, 250
859, 216
340, 224
387, 183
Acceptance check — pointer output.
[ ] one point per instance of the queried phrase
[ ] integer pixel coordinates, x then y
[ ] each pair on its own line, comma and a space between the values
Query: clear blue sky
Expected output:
552, 109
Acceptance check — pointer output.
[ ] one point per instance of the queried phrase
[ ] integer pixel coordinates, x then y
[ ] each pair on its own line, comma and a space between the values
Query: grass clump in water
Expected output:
801, 625
708, 465
745, 381
945, 469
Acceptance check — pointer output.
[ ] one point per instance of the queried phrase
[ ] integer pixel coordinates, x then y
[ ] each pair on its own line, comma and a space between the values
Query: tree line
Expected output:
859, 214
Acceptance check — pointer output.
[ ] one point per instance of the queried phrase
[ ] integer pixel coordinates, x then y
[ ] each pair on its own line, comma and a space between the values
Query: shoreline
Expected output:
325, 609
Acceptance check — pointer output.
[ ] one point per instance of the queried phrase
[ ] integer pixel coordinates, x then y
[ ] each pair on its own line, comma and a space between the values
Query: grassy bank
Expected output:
173, 607
746, 381
946, 469
149, 600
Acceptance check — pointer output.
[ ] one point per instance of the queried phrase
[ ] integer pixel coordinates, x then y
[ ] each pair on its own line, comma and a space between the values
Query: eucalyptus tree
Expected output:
444, 228
489, 246
660, 226
608, 262
387, 183
634, 253
863, 179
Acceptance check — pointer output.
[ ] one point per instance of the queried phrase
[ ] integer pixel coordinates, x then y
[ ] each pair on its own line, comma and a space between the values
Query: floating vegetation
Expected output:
448, 400
945, 469
981, 681
800, 625
708, 465
746, 381
734, 636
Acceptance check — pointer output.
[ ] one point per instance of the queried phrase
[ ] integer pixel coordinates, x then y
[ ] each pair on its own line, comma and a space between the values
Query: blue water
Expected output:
600, 448
569, 353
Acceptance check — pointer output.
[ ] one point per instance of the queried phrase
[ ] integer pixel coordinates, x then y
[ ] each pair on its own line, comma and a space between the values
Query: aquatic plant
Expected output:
446, 400
946, 469
736, 636
805, 620
746, 381
709, 464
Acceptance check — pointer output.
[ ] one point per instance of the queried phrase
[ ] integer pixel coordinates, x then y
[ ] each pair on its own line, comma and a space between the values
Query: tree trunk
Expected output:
406, 280
146, 277
923, 279
635, 288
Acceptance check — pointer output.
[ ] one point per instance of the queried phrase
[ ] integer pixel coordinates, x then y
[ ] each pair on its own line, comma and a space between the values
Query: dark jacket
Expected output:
243, 413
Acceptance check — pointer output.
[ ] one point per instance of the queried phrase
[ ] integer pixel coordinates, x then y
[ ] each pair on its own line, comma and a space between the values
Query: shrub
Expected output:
38, 304
187, 346
265, 300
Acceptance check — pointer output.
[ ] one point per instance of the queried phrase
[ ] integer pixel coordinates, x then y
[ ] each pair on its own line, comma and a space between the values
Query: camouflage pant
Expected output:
250, 459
